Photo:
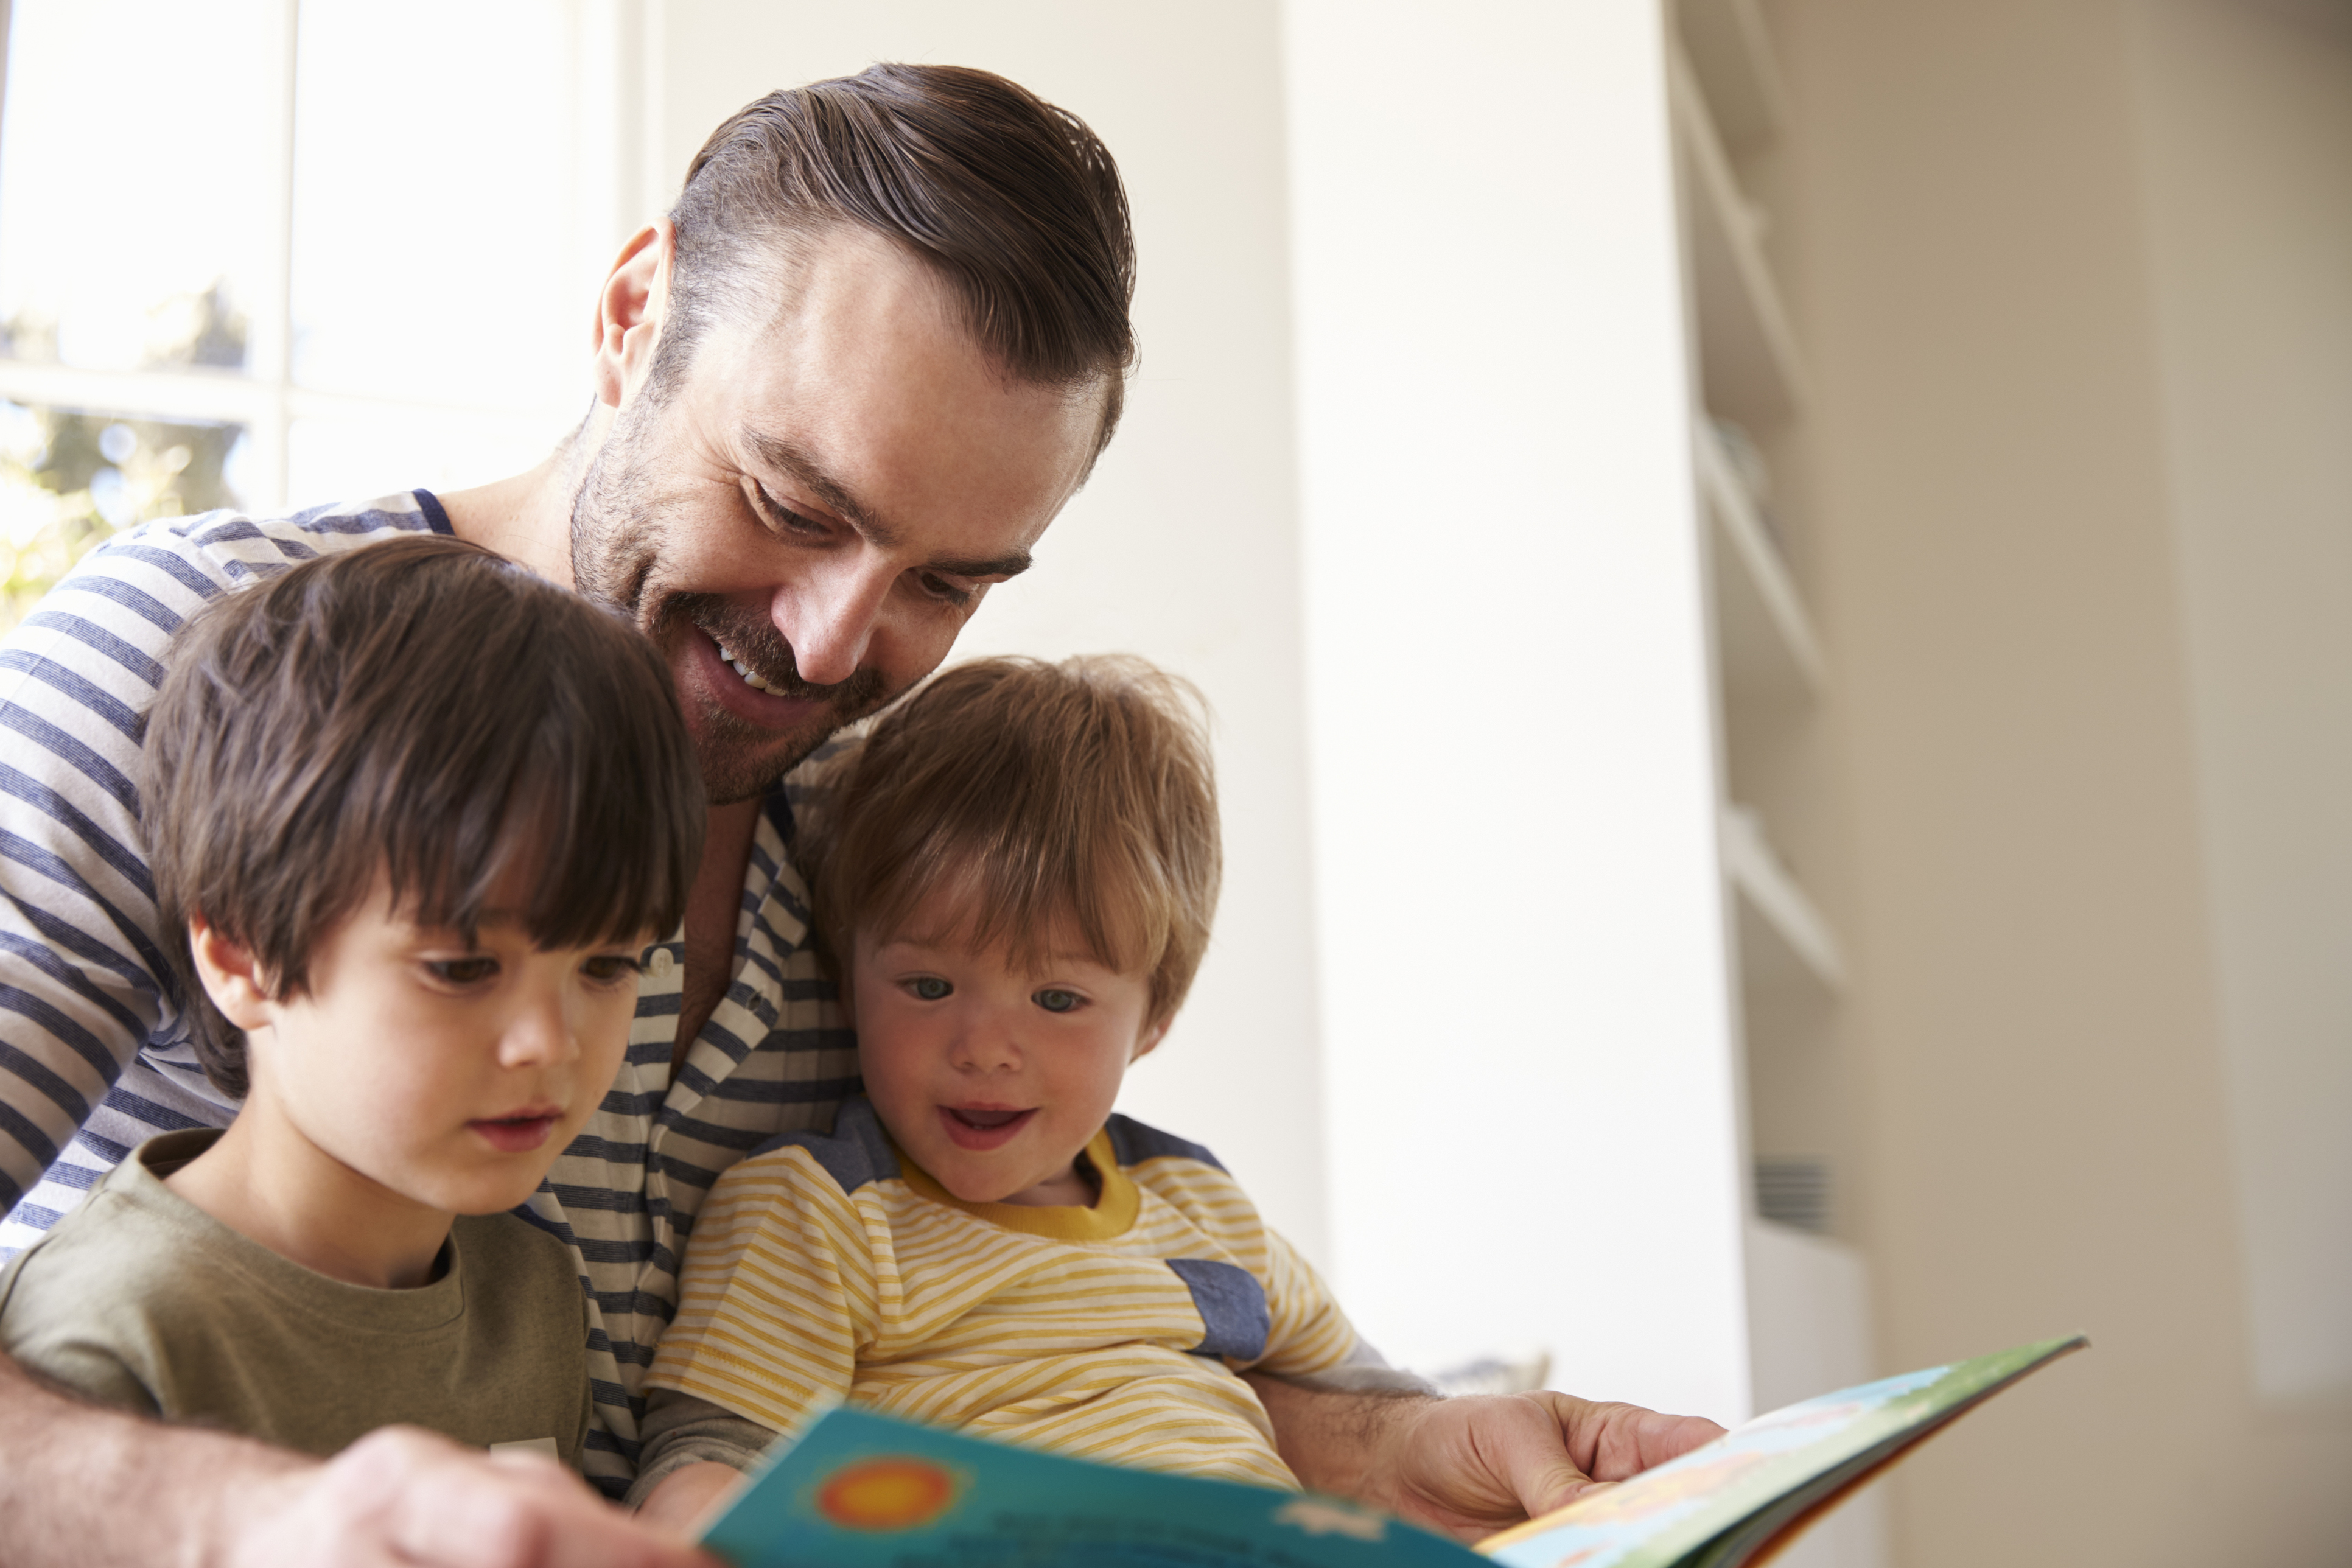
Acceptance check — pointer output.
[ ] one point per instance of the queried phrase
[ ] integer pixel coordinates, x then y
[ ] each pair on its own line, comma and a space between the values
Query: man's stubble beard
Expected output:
616, 559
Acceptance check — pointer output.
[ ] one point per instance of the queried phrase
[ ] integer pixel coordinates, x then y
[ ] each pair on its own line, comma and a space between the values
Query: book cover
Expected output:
863, 1490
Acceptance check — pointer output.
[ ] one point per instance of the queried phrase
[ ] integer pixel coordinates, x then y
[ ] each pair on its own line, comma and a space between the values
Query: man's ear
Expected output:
232, 976
1148, 1041
630, 308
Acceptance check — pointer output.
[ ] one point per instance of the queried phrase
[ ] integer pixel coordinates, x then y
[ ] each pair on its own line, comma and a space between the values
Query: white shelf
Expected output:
1769, 651
1731, 56
1748, 362
1783, 940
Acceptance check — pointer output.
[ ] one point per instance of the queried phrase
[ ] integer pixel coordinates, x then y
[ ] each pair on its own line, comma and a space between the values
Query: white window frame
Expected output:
617, 60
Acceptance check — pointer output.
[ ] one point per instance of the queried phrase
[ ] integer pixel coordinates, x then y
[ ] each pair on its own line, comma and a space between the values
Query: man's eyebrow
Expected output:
781, 452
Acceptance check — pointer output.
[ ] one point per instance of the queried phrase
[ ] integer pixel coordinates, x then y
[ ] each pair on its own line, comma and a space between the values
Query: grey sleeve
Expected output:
679, 1430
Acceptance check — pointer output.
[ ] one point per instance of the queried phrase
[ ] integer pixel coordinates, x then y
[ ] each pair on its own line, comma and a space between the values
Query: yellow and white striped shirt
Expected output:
833, 1268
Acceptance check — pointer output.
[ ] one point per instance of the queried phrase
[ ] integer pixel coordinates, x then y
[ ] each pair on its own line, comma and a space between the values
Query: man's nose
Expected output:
829, 616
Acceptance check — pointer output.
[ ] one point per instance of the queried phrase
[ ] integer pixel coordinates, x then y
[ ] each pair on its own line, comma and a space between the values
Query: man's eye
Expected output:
782, 518
945, 592
1055, 1000
929, 988
462, 970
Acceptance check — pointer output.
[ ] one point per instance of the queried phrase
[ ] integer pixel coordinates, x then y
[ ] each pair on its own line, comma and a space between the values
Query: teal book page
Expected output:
862, 1490
1716, 1506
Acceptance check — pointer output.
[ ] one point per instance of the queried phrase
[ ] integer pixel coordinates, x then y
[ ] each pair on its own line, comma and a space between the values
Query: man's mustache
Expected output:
761, 650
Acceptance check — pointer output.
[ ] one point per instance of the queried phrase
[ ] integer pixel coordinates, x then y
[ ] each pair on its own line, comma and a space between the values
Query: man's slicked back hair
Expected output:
1012, 202
424, 710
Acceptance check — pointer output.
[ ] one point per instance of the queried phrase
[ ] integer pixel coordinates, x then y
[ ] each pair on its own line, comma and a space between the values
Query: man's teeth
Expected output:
750, 680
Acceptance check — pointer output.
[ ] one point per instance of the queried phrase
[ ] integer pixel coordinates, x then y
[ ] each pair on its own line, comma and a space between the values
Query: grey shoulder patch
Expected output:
855, 1153
1134, 1143
1232, 1304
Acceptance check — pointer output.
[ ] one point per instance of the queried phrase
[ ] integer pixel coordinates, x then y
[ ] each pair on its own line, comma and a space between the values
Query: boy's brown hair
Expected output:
422, 710
1075, 800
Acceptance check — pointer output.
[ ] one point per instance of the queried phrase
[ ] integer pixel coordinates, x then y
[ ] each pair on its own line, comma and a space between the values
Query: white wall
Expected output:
2246, 147
1971, 235
1184, 546
1533, 1130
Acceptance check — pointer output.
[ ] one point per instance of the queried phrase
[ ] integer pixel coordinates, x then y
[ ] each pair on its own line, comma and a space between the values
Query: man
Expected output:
841, 392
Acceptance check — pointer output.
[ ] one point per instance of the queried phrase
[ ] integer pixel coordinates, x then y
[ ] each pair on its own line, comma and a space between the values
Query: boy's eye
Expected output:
612, 967
929, 988
471, 971
1055, 1000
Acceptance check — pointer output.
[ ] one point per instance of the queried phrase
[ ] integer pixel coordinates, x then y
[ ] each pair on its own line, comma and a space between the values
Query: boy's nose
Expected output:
987, 1046
540, 1034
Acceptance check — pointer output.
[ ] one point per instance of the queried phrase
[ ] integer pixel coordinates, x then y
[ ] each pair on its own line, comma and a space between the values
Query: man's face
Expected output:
805, 523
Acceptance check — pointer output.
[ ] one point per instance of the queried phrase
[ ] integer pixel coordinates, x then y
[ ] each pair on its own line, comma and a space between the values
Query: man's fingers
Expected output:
404, 1499
522, 1511
1545, 1484
1617, 1441
1478, 1464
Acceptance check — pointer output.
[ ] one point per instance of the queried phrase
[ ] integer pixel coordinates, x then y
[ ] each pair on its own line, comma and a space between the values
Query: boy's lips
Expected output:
983, 1128
519, 1133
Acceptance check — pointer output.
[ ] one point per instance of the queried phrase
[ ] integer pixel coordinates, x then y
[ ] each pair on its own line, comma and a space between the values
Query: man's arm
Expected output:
1467, 1465
82, 1486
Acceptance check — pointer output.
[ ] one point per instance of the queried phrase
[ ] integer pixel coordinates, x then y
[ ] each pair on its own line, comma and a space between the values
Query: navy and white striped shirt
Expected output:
94, 1049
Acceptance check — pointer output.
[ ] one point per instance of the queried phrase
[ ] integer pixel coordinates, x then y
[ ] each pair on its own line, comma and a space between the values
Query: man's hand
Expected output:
86, 1486
1469, 1466
1475, 1465
401, 1496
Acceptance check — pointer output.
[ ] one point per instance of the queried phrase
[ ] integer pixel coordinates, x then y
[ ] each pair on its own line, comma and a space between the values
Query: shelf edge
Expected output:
1728, 499
1720, 191
1756, 874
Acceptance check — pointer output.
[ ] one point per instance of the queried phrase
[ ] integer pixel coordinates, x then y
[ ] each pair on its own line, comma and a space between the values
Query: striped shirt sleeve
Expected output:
780, 1292
1307, 1331
85, 988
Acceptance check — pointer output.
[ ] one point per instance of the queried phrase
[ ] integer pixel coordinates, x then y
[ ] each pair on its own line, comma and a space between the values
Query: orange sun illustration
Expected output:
891, 1493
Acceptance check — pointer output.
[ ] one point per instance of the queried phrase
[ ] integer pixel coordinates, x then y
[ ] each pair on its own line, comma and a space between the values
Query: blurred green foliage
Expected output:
70, 479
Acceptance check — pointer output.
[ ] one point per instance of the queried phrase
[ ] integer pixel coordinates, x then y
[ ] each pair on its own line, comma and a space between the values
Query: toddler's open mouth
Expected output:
981, 1128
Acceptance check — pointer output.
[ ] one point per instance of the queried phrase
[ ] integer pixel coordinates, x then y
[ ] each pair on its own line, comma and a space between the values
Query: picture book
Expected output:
862, 1490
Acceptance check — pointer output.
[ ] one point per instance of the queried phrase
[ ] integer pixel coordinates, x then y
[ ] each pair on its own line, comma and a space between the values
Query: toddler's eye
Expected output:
1058, 1001
929, 988
470, 971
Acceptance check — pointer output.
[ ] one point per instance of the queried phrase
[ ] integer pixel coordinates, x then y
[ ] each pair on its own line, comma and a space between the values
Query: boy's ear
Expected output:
1147, 1042
232, 976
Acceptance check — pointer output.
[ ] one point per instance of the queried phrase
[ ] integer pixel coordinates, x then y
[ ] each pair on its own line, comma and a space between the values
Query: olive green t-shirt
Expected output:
140, 1299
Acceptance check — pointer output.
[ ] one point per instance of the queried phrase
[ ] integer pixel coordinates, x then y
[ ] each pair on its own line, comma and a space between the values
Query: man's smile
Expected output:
745, 694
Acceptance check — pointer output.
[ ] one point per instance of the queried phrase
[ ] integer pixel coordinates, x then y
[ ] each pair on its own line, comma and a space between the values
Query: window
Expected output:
271, 253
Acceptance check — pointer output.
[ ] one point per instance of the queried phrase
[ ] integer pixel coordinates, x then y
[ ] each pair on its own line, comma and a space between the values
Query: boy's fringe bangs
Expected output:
1070, 804
1117, 914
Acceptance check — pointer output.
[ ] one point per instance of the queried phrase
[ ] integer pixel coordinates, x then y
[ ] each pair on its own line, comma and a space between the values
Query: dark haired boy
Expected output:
412, 812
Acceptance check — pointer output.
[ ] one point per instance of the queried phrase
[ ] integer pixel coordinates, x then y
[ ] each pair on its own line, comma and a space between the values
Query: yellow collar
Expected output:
1113, 1212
